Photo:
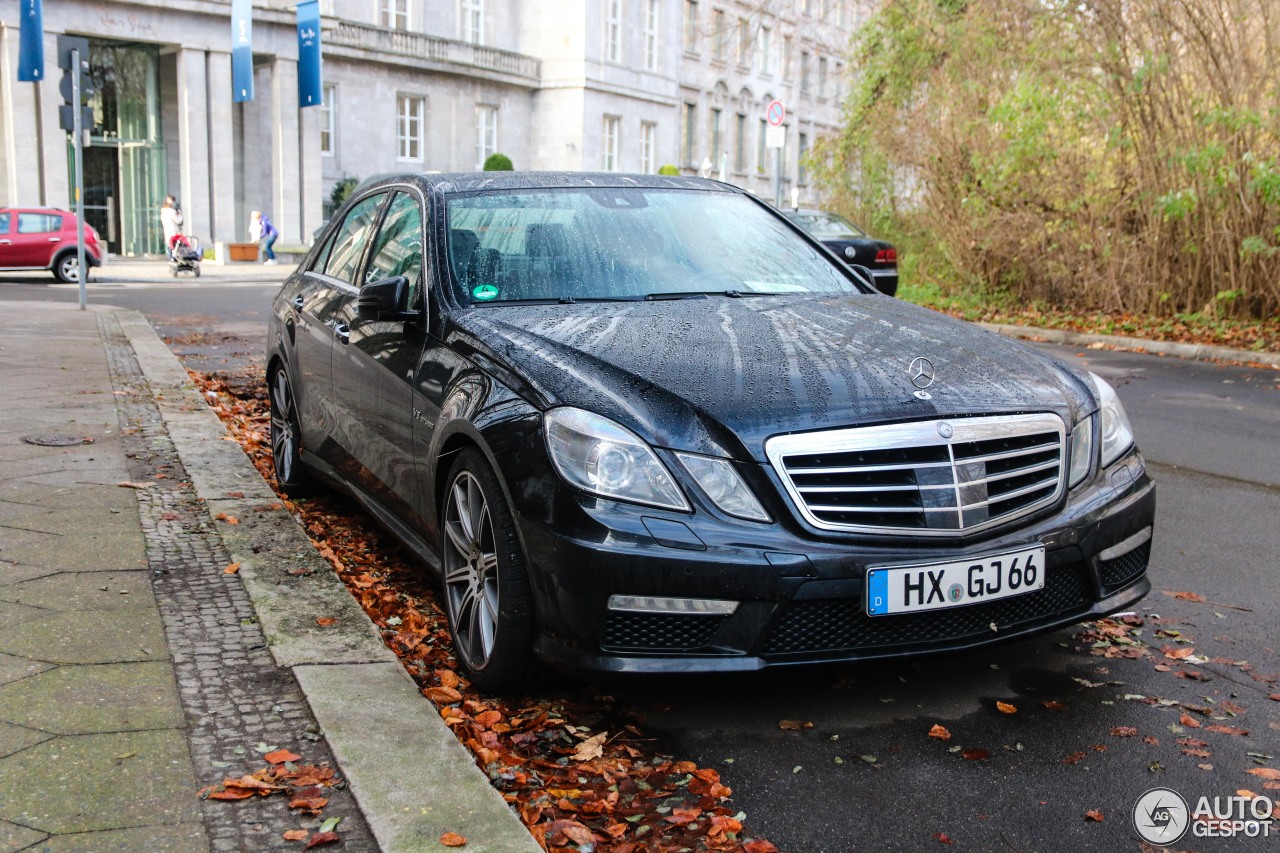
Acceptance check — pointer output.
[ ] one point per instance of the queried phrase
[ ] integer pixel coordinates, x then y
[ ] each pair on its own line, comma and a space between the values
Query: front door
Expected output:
102, 193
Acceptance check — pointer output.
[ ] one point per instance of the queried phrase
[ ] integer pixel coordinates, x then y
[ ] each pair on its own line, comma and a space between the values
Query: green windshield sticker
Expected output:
485, 291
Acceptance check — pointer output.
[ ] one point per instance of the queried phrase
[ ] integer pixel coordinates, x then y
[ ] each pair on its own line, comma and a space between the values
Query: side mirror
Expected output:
865, 274
384, 300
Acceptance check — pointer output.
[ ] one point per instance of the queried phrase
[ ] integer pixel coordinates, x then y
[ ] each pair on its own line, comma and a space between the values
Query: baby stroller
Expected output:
185, 255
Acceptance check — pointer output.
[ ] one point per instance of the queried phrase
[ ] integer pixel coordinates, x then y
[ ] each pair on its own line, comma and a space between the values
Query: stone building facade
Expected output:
437, 85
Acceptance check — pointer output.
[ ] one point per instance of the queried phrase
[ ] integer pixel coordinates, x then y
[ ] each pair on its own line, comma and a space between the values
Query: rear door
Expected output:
36, 239
7, 220
324, 289
373, 360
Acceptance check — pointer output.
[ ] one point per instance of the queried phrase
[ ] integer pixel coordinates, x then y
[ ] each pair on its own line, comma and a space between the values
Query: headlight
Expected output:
604, 458
1081, 450
1116, 434
722, 484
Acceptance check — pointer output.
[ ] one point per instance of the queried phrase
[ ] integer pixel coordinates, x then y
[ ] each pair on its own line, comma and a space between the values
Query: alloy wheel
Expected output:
284, 430
471, 570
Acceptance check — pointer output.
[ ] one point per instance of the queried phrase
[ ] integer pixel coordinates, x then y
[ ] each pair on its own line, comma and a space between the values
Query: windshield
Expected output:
627, 244
827, 226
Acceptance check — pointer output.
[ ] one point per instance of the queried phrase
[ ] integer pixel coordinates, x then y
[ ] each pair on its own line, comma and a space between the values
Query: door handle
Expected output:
6, 242
297, 302
55, 239
342, 332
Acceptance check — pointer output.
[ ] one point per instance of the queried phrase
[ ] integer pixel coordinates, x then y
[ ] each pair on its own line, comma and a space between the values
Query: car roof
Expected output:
467, 182
18, 209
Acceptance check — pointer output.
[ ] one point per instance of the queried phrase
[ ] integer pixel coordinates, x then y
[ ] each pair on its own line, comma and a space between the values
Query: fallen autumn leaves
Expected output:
577, 772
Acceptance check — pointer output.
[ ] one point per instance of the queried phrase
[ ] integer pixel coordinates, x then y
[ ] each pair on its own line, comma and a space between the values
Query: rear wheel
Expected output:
486, 581
66, 268
286, 435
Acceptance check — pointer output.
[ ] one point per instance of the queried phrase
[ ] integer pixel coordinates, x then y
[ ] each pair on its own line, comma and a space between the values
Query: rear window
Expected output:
828, 226
39, 223
626, 244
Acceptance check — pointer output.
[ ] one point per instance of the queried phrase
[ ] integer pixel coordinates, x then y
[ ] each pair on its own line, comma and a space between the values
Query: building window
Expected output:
486, 133
838, 83
648, 147
744, 42
690, 26
610, 159
804, 72
395, 14
690, 117
410, 115
651, 35
802, 148
717, 135
613, 30
788, 54
740, 145
806, 6
822, 77
720, 33
764, 43
328, 125
762, 160
842, 11
473, 21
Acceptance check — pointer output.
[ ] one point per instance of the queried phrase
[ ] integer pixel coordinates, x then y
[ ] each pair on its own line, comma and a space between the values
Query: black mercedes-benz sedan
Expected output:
852, 244
648, 424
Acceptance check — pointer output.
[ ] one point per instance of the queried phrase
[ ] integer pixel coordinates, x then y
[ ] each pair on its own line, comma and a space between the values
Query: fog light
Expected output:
687, 606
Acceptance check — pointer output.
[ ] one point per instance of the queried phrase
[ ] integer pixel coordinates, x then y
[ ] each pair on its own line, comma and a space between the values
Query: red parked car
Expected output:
42, 238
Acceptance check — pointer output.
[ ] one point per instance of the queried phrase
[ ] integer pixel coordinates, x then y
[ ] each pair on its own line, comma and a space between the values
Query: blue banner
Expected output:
310, 79
31, 46
242, 50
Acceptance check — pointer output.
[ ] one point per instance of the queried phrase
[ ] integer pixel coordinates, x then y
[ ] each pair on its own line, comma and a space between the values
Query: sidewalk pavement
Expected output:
134, 670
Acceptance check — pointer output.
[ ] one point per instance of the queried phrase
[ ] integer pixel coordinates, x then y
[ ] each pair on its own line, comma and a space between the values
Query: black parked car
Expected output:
853, 244
645, 424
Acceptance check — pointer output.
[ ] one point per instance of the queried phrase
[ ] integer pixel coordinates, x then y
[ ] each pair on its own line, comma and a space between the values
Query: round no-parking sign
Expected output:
776, 113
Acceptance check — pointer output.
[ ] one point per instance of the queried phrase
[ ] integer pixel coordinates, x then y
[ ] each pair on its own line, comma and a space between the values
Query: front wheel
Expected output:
286, 435
486, 581
67, 269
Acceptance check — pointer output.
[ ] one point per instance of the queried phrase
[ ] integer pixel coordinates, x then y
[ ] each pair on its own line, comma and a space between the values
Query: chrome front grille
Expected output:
927, 478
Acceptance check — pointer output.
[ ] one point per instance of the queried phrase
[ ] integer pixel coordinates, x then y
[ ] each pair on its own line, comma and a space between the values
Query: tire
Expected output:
286, 436
66, 268
486, 580
197, 272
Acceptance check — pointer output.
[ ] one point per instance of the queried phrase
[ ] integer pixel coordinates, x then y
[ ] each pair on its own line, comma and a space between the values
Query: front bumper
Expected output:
800, 593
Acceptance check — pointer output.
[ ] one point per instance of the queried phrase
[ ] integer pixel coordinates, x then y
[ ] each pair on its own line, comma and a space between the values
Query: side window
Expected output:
322, 256
349, 242
398, 250
39, 223
4, 223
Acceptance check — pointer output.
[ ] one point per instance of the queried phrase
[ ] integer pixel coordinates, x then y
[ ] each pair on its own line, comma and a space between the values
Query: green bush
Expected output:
497, 163
668, 169
342, 190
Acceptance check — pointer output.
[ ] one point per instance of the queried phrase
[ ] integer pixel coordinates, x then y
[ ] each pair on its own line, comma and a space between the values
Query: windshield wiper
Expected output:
703, 294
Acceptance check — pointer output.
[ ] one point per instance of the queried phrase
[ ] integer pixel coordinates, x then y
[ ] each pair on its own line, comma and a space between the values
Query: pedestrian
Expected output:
262, 231
171, 222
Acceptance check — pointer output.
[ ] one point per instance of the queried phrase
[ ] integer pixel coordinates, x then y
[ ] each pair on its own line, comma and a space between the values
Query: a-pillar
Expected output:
193, 142
222, 164
286, 164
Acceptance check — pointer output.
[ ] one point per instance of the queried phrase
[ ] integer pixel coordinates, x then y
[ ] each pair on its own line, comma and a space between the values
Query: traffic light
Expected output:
68, 48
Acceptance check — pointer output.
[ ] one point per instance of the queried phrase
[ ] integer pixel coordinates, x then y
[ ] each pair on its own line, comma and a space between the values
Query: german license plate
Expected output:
937, 586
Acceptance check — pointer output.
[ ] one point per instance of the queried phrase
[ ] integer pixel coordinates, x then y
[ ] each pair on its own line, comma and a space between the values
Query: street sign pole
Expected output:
82, 271
775, 137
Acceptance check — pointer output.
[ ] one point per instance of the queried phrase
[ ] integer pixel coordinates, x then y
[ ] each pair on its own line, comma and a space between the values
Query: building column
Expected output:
193, 143
222, 165
310, 175
286, 195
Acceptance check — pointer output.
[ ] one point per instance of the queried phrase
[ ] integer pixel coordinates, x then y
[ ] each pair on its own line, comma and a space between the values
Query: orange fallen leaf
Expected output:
1227, 730
321, 838
453, 839
1124, 731
793, 725
1094, 815
1183, 595
296, 834
326, 621
975, 754
942, 838
1075, 757
280, 756
130, 485
1006, 708
231, 569
759, 845
442, 695
1179, 654
940, 732
1053, 705
1197, 753
1266, 773
1189, 721
592, 747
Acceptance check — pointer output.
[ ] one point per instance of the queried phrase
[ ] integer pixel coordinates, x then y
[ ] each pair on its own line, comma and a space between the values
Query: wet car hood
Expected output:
720, 375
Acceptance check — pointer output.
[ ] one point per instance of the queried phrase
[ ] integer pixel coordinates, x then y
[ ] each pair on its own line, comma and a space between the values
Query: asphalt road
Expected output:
867, 775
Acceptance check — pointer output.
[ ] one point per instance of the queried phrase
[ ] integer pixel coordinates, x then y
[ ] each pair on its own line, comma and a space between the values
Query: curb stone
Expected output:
409, 774
1195, 352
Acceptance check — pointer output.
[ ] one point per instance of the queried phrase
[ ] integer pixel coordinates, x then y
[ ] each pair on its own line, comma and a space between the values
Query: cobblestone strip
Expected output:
233, 696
